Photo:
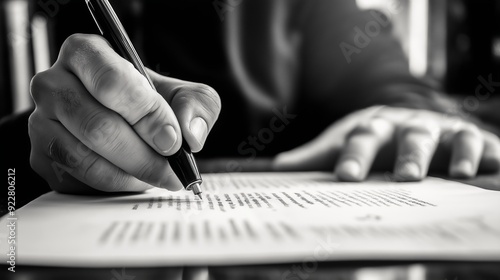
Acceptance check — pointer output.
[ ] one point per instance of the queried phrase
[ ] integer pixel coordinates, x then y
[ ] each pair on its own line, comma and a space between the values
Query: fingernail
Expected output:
165, 138
409, 171
462, 169
198, 127
349, 168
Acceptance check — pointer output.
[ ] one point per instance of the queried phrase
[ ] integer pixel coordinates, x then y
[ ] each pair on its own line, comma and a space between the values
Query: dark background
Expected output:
473, 31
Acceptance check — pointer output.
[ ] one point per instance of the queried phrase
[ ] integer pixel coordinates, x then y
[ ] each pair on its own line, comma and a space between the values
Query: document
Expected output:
257, 218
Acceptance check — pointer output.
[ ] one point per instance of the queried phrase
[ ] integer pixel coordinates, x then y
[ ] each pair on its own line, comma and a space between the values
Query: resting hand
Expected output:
404, 140
98, 124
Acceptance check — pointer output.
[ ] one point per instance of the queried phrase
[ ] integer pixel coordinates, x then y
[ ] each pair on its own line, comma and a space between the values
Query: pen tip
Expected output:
196, 188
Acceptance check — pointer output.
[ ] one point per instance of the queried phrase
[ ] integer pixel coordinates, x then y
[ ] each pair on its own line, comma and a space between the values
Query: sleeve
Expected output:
351, 60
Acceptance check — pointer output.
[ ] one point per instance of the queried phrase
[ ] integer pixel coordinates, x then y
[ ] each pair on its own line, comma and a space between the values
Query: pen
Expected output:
182, 162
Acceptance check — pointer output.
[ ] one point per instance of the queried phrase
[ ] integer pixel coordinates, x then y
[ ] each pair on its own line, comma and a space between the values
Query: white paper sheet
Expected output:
261, 218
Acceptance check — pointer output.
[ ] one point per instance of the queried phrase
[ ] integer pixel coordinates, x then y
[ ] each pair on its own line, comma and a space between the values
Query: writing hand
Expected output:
98, 125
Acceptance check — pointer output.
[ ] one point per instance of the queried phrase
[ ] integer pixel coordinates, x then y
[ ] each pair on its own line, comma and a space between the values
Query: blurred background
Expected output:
453, 42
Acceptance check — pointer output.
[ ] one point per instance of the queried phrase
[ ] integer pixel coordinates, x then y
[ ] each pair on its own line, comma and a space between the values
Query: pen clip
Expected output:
92, 10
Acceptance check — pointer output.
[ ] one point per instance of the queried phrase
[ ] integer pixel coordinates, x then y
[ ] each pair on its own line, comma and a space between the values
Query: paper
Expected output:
250, 218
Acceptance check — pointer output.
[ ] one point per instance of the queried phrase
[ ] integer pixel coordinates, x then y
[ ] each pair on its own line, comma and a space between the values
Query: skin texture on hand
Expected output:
408, 142
98, 124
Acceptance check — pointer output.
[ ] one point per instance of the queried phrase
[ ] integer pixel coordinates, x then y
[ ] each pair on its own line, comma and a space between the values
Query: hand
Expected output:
98, 125
405, 140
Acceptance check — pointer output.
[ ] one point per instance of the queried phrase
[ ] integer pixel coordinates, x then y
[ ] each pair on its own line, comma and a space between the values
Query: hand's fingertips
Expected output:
462, 169
467, 148
195, 273
417, 143
199, 129
349, 170
408, 171
361, 147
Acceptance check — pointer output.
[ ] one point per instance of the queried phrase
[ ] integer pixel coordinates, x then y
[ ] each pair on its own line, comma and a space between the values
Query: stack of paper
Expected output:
249, 218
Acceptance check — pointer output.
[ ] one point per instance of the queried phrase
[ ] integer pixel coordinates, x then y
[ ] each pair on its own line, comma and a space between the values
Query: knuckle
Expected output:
33, 122
199, 93
47, 84
468, 130
41, 83
146, 108
148, 104
106, 75
138, 96
375, 127
99, 128
211, 94
204, 89
68, 99
362, 129
136, 103
71, 44
74, 41
78, 45
408, 131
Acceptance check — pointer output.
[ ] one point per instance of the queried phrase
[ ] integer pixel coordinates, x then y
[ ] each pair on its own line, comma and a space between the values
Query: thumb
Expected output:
196, 106
318, 154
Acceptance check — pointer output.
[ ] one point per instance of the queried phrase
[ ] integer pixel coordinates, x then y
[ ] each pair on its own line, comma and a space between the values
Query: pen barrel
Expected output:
184, 166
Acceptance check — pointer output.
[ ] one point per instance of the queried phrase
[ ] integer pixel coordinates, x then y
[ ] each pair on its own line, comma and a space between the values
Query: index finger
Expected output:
117, 85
